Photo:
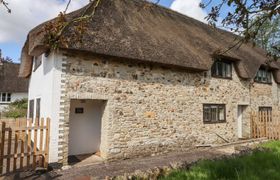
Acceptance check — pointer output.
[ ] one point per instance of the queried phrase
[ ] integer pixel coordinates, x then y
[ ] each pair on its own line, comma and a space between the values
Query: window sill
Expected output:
4, 102
216, 122
259, 82
220, 77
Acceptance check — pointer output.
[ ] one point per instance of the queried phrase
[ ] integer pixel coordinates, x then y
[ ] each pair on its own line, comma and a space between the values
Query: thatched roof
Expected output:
131, 29
9, 80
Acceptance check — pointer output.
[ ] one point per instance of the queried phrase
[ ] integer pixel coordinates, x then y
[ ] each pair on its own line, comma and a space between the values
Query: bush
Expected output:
16, 109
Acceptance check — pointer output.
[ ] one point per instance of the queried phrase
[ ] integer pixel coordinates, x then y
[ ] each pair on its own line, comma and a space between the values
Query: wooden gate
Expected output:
24, 145
265, 124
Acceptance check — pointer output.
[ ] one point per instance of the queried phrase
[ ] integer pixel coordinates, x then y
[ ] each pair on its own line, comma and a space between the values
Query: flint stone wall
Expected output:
152, 109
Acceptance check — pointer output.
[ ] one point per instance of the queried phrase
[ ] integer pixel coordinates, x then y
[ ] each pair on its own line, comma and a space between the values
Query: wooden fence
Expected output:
24, 144
265, 124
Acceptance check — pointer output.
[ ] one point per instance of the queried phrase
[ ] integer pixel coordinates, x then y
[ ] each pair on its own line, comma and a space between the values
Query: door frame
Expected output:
240, 113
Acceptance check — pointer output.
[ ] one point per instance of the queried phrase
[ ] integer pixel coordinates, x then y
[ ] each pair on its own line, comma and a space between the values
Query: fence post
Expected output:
2, 146
47, 143
9, 150
16, 146
253, 125
29, 142
35, 143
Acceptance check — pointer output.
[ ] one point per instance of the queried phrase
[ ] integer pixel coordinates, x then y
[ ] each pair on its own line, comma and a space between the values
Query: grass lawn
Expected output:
257, 166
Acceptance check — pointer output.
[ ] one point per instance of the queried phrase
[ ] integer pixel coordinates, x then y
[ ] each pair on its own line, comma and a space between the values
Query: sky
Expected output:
26, 14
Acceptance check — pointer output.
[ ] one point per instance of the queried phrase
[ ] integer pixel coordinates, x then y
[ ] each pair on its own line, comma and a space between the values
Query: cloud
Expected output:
26, 14
190, 8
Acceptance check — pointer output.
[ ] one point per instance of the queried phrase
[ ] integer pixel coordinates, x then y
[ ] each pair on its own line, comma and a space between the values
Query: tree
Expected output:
240, 14
268, 36
6, 5
5, 59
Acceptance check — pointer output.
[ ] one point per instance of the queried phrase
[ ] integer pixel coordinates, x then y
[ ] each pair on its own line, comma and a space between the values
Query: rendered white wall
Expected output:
45, 84
85, 128
18, 96
2, 107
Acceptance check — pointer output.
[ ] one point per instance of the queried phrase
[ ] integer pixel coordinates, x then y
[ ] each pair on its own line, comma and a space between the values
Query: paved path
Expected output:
111, 169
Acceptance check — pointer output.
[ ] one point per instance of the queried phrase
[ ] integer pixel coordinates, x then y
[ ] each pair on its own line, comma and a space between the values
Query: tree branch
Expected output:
6, 5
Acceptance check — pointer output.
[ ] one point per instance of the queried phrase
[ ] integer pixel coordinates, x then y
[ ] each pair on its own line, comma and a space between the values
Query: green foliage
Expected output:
258, 165
16, 109
268, 34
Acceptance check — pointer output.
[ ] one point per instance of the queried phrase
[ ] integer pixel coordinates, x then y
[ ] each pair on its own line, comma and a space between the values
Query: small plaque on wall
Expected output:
79, 110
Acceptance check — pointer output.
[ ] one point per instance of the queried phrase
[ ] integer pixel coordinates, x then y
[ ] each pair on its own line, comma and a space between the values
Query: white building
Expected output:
12, 87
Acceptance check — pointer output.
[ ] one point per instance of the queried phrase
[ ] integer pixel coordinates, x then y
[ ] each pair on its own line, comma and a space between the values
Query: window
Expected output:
8, 97
263, 76
5, 97
37, 61
222, 69
31, 109
214, 113
38, 107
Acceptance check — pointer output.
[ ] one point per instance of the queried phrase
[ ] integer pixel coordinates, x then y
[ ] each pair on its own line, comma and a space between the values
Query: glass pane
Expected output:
220, 69
4, 97
38, 107
31, 109
9, 97
263, 76
269, 77
228, 70
214, 73
260, 76
214, 113
204, 113
221, 113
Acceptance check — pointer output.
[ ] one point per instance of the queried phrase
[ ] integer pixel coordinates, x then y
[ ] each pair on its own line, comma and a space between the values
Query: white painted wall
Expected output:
45, 84
3, 106
18, 96
85, 128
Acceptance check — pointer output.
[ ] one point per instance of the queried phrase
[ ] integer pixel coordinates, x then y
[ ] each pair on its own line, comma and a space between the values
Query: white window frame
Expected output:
37, 61
6, 97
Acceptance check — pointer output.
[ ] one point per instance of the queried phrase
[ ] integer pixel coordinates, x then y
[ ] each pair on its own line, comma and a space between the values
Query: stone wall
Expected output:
152, 109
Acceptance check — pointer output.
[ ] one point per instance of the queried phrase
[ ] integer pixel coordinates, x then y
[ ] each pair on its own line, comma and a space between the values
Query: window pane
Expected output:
9, 97
221, 113
228, 70
37, 61
205, 113
31, 109
220, 69
269, 77
214, 113
264, 76
4, 97
38, 107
